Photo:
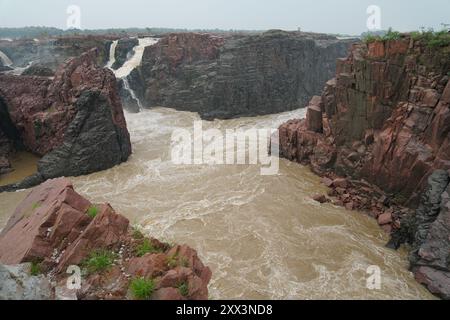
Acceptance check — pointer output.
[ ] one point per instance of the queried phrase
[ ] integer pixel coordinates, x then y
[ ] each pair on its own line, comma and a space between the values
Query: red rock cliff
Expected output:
385, 118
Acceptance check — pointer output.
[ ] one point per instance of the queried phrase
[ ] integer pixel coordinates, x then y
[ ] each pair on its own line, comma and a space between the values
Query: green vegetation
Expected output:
92, 212
36, 205
431, 38
146, 247
35, 269
390, 35
142, 288
99, 261
184, 289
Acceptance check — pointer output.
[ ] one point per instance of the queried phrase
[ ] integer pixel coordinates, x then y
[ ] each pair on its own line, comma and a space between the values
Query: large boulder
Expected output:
74, 121
55, 228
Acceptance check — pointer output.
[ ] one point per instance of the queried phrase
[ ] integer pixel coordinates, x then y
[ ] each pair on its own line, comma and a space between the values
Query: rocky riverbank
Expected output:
240, 75
74, 121
383, 124
55, 229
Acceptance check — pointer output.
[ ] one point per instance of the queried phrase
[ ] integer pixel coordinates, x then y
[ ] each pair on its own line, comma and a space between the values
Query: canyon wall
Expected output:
224, 77
75, 121
384, 124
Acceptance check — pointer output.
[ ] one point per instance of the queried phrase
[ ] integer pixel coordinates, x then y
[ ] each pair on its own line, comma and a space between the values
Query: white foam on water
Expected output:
136, 59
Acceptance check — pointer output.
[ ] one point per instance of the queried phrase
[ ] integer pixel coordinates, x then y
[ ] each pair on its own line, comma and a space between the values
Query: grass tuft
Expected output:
183, 288
99, 261
142, 288
36, 269
92, 212
146, 247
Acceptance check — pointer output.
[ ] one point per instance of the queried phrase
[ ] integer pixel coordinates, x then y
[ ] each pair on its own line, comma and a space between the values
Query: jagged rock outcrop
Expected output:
54, 228
75, 121
430, 230
238, 75
385, 127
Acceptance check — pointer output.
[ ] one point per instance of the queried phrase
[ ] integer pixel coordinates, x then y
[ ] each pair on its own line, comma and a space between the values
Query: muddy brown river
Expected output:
263, 236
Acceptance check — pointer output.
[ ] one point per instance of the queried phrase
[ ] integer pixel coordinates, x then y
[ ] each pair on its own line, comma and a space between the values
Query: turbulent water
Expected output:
263, 236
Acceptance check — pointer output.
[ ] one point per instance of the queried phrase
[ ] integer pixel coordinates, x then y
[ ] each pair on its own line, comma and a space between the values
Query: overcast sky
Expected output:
334, 16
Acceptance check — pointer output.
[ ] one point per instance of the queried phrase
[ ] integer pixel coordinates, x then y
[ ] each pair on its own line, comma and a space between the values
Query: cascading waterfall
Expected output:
135, 61
5, 60
112, 54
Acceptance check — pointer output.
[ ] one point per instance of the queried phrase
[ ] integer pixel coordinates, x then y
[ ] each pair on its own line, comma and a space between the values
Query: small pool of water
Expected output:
24, 164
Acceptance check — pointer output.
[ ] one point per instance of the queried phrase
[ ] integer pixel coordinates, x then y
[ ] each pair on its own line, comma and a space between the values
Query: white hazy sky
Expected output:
334, 16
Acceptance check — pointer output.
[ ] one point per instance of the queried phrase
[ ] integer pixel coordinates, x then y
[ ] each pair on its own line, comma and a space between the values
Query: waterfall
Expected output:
5, 60
135, 61
127, 87
112, 54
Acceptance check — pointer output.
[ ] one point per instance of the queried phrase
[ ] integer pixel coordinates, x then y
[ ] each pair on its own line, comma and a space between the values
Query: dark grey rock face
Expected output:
92, 141
430, 258
428, 233
250, 75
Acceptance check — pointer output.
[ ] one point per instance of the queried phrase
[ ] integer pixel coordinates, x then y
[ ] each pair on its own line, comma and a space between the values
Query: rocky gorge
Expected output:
379, 135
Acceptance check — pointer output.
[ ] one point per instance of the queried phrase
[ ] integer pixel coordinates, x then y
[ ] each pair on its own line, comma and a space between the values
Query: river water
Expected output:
263, 236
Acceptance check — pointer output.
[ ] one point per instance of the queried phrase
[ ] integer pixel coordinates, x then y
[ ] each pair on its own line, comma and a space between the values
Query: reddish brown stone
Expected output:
320, 198
385, 218
148, 266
